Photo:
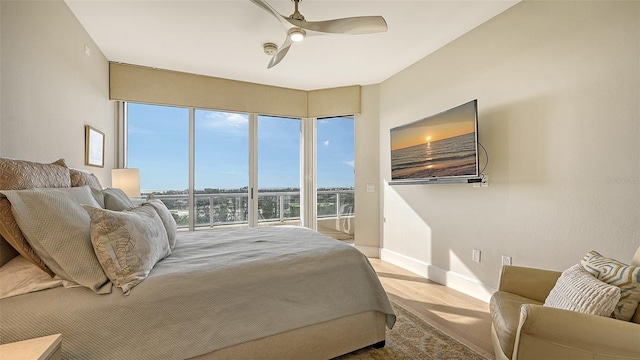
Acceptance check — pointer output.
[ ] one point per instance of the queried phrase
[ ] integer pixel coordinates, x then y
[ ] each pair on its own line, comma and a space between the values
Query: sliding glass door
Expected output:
336, 177
278, 171
221, 169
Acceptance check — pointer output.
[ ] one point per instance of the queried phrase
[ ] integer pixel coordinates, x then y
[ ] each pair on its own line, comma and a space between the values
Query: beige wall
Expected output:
50, 89
558, 90
367, 220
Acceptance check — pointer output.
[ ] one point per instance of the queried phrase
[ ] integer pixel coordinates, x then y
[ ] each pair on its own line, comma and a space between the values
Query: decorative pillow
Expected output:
167, 220
81, 178
20, 276
57, 227
11, 232
624, 276
128, 243
98, 195
577, 290
20, 174
116, 200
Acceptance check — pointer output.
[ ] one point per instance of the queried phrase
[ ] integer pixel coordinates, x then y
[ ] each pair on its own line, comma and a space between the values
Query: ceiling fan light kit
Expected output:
297, 35
297, 28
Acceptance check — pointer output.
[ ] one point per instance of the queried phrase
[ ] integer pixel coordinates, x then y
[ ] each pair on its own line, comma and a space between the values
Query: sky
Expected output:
454, 122
158, 145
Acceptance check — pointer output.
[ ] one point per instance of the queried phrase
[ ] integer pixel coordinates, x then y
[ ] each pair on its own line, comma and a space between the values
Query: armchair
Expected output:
523, 329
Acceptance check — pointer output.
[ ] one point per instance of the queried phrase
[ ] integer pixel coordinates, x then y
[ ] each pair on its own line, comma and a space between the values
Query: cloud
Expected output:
325, 143
225, 122
349, 163
134, 130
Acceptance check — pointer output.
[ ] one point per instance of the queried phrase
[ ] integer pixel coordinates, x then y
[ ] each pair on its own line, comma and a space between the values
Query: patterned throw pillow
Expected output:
81, 178
20, 175
128, 243
577, 290
624, 276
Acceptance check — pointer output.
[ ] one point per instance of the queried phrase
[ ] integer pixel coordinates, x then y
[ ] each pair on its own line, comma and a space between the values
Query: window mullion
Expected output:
192, 162
308, 169
253, 170
121, 131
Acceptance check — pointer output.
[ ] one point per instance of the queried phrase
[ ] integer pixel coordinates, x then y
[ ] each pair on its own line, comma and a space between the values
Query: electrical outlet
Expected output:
506, 260
476, 255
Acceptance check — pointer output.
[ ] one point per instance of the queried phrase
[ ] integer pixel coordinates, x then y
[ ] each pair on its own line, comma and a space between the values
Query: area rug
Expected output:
414, 338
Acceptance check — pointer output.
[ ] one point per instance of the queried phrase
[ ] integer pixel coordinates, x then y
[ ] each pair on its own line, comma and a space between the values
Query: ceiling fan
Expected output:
297, 28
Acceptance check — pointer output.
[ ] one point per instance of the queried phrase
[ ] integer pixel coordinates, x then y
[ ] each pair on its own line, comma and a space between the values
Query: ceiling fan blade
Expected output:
352, 25
266, 7
284, 49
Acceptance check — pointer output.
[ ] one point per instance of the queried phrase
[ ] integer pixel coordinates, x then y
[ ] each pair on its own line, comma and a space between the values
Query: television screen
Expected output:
444, 145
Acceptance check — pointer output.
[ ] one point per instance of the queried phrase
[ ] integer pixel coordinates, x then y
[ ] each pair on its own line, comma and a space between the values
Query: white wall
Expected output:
558, 91
50, 88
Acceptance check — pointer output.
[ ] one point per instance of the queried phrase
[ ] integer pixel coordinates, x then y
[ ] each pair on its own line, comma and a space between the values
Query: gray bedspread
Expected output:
217, 289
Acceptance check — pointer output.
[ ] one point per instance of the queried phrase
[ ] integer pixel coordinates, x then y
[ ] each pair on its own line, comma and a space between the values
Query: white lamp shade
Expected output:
128, 180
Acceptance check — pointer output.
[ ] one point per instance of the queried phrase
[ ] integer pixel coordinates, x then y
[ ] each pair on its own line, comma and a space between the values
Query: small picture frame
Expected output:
94, 147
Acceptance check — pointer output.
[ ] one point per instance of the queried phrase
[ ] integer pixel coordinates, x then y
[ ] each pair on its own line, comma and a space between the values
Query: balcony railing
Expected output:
232, 208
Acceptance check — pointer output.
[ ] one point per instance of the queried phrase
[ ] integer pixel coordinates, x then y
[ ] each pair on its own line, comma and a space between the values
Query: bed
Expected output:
276, 292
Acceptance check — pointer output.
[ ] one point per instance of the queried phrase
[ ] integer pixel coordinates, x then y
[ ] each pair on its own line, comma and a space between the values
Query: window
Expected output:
246, 168
158, 145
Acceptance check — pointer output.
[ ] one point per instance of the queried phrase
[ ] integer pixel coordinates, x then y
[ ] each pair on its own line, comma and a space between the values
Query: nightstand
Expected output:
43, 348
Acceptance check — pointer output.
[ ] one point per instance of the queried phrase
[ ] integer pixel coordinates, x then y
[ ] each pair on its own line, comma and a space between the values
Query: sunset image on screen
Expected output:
437, 146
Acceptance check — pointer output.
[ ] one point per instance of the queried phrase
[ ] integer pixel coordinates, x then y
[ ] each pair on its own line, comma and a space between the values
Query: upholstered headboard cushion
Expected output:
19, 175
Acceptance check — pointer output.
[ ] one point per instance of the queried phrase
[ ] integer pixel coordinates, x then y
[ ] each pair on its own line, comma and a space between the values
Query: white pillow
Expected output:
577, 290
167, 220
20, 276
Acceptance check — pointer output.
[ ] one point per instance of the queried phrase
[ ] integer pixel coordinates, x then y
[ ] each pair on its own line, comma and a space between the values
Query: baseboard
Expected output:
369, 251
459, 282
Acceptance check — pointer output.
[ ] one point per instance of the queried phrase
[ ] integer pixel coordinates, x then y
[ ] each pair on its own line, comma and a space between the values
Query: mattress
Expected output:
218, 289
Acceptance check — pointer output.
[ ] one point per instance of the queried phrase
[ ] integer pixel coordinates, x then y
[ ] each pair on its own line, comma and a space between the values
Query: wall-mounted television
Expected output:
440, 147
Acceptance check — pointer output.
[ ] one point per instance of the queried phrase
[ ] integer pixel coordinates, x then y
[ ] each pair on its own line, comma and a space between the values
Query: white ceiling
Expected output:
223, 38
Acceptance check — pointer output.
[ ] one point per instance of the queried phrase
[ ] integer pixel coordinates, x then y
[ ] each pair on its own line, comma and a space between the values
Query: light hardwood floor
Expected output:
460, 316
